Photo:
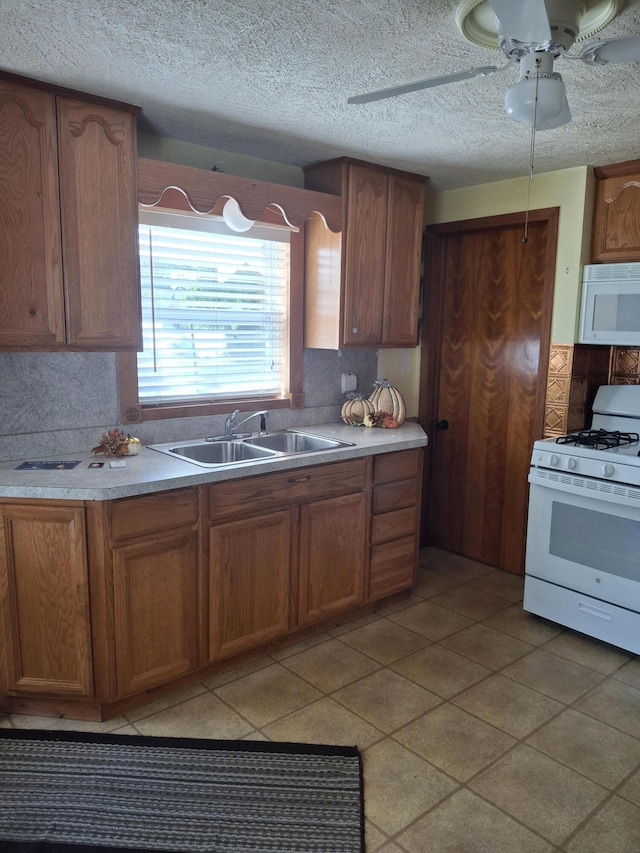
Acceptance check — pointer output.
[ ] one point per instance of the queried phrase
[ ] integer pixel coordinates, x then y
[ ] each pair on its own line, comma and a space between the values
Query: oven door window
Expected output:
584, 544
596, 539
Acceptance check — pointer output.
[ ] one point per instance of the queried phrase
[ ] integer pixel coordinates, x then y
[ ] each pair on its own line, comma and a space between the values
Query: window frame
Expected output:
184, 188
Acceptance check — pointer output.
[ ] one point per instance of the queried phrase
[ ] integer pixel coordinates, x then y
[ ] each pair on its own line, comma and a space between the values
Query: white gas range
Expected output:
583, 535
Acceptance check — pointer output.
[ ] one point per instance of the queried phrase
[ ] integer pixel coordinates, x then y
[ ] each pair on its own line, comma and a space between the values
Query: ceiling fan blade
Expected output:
525, 22
626, 49
484, 71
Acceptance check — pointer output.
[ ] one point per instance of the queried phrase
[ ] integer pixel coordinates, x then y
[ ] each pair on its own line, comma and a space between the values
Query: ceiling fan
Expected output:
532, 33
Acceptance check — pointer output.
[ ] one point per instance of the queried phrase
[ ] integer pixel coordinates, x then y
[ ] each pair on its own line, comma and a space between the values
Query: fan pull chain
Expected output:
532, 151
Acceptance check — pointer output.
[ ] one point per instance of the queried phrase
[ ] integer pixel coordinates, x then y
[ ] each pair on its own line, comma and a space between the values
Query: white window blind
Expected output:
214, 311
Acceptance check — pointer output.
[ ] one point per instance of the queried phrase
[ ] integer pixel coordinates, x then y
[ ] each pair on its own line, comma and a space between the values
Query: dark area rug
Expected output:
62, 791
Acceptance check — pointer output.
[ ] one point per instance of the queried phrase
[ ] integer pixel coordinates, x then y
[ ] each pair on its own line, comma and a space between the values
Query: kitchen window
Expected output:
217, 313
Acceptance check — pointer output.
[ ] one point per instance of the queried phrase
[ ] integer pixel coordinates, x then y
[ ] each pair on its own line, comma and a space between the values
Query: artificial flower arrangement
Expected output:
116, 443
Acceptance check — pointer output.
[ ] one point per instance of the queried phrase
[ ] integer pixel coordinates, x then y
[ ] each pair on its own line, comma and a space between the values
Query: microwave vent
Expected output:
612, 272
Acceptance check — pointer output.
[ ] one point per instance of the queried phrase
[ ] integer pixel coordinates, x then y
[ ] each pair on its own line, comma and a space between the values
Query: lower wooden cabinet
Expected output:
395, 522
156, 611
249, 582
152, 577
45, 634
103, 603
331, 565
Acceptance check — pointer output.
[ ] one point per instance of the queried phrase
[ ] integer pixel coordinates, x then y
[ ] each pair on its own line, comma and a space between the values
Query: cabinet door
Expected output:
249, 582
402, 266
155, 600
44, 602
31, 305
99, 225
616, 223
364, 269
331, 561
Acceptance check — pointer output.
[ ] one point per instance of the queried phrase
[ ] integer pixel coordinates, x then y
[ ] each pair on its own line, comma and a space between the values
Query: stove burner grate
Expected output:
599, 439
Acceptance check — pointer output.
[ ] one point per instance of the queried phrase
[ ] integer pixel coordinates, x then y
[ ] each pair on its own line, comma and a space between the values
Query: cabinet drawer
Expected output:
239, 497
393, 567
397, 466
392, 496
393, 525
152, 513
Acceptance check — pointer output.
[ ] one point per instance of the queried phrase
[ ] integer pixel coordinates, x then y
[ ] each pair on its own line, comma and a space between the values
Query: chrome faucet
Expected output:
231, 423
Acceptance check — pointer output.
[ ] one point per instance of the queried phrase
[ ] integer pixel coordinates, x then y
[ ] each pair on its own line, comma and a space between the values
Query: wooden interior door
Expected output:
483, 380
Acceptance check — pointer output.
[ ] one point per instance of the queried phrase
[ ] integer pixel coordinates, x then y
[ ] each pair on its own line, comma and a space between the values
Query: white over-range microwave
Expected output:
610, 310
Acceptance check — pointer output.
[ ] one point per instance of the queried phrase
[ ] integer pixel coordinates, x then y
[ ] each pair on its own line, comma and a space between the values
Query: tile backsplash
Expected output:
53, 403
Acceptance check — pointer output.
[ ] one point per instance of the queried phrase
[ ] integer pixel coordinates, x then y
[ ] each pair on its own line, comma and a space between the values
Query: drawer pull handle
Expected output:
299, 479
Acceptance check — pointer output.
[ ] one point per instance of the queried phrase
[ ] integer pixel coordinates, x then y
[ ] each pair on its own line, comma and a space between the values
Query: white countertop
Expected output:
152, 471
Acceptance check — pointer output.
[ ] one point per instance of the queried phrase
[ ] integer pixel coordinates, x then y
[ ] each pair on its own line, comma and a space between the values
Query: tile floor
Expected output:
482, 728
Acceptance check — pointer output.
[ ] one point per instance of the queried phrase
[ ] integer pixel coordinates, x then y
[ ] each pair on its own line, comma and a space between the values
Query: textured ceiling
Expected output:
270, 79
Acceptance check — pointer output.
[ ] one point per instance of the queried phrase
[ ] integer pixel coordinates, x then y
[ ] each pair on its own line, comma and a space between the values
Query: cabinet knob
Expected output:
299, 479
443, 424
354, 330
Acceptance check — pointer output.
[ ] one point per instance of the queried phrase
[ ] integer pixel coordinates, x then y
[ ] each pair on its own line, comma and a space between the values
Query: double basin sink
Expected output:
223, 451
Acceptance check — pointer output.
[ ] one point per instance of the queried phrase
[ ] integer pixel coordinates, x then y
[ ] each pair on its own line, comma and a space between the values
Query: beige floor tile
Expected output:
345, 627
384, 641
431, 621
391, 847
615, 703
401, 604
503, 584
442, 671
165, 702
374, 840
525, 626
486, 646
454, 741
458, 567
603, 754
300, 646
331, 665
324, 721
547, 797
615, 829
203, 717
557, 677
431, 583
512, 707
268, 694
631, 789
630, 673
471, 602
467, 824
386, 699
416, 786
588, 652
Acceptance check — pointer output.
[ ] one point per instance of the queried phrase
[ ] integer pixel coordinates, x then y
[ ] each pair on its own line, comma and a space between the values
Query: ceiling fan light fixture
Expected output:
536, 100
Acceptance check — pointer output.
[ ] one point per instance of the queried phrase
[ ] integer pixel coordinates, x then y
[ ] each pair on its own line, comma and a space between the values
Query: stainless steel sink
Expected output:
211, 455
214, 454
295, 442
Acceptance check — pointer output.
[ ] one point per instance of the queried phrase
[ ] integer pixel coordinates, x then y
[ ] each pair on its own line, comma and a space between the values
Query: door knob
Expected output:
443, 424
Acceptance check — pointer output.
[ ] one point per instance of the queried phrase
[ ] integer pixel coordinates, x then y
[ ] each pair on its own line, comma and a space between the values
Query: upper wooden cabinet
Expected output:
616, 218
362, 288
69, 272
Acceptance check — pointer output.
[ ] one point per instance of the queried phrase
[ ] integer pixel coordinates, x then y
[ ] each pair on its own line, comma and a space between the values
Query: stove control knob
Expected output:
572, 464
554, 460
608, 470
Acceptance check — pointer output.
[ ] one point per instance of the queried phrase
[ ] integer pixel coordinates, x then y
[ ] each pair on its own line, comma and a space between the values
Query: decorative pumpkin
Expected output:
356, 408
386, 398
